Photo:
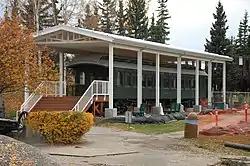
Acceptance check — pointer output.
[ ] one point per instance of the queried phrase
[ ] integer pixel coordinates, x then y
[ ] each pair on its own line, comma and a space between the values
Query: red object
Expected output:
216, 118
246, 112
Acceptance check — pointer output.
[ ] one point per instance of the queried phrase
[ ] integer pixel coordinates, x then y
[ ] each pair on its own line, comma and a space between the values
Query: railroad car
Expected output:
125, 80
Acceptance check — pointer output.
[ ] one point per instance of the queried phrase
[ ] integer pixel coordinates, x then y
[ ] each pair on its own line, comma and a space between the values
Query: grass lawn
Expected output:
148, 128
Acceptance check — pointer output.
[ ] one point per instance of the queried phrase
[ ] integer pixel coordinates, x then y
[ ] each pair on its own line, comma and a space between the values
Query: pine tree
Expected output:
218, 43
241, 50
121, 19
162, 25
152, 32
242, 37
47, 12
234, 71
137, 19
82, 22
108, 10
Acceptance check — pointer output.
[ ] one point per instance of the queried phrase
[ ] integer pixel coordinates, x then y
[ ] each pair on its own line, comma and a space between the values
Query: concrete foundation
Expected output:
197, 108
225, 106
110, 113
156, 110
209, 107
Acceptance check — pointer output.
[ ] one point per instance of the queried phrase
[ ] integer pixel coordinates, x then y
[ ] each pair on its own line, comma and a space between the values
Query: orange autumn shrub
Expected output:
60, 127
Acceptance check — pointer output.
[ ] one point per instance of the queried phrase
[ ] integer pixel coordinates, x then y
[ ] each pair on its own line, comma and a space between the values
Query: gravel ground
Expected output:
16, 153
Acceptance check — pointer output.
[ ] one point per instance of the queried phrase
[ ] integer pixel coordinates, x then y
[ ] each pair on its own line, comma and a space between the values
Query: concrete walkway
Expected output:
105, 146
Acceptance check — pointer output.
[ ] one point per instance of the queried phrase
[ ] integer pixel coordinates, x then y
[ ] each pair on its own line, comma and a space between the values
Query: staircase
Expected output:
46, 98
65, 103
98, 90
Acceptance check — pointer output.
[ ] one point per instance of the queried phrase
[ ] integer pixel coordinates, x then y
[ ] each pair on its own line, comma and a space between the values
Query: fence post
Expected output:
216, 117
246, 111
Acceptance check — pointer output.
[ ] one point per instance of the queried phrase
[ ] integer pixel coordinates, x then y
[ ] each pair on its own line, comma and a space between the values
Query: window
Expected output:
150, 82
82, 78
119, 78
127, 79
166, 81
189, 84
143, 81
193, 84
183, 83
174, 83
134, 80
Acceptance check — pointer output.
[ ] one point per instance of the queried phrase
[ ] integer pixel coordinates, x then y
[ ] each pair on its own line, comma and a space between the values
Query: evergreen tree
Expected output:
162, 25
241, 49
91, 17
218, 43
47, 12
242, 37
137, 19
121, 19
234, 72
82, 22
108, 10
152, 30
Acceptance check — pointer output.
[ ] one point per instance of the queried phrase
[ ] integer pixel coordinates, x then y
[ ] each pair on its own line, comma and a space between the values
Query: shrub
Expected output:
60, 127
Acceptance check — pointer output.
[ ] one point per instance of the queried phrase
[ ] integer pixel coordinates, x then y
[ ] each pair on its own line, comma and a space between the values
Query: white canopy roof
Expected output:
68, 37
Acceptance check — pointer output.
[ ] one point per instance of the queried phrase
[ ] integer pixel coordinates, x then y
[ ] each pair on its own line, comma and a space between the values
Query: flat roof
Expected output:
128, 42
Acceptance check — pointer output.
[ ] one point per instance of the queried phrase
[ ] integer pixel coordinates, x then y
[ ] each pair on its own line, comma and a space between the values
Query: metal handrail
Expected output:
97, 87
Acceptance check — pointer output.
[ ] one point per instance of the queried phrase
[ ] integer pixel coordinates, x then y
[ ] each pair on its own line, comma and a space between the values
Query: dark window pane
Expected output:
189, 84
166, 81
127, 79
193, 84
118, 79
134, 80
182, 83
150, 81
143, 81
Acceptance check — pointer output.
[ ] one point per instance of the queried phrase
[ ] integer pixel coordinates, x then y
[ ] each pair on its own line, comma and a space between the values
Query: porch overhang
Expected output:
75, 40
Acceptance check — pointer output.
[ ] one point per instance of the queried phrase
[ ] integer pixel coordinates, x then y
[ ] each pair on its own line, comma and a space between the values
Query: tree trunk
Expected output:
2, 112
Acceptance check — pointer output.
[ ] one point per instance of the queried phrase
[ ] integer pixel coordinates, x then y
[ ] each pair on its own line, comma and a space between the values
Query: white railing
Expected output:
96, 88
46, 88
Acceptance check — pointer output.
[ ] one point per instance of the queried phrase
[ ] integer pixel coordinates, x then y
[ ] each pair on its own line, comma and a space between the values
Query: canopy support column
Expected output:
139, 79
209, 88
111, 75
197, 107
157, 81
224, 85
61, 62
179, 80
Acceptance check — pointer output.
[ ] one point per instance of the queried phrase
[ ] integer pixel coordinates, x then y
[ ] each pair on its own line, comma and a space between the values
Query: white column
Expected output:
139, 78
111, 75
179, 80
65, 76
157, 81
61, 61
224, 82
209, 84
197, 82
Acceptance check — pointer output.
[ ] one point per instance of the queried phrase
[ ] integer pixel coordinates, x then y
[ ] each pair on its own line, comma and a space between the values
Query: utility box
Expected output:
191, 126
128, 117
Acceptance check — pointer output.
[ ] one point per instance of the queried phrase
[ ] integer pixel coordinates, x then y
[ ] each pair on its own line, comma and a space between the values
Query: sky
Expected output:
191, 20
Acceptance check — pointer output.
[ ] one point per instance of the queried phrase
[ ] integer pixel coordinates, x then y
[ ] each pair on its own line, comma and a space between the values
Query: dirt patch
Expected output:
239, 129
